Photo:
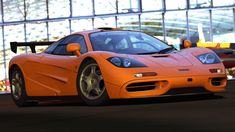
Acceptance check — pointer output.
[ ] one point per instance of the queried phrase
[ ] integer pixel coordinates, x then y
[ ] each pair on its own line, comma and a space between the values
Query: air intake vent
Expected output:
217, 81
143, 86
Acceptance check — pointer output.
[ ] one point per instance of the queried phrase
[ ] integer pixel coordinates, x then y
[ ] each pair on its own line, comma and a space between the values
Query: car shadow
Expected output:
138, 101
166, 99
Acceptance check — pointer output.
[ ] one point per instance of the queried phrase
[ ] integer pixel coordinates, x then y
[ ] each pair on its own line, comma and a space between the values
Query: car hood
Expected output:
164, 60
182, 62
183, 58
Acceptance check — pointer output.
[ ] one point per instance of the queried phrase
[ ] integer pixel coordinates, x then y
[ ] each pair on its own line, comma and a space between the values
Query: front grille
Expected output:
191, 90
142, 86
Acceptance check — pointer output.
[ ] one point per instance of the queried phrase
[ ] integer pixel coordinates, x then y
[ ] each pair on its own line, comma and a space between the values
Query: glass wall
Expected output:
81, 25
82, 7
56, 33
169, 20
36, 9
128, 6
175, 4
104, 22
128, 22
13, 33
175, 27
2, 68
36, 32
13, 10
151, 5
199, 26
151, 23
200, 3
223, 25
223, 2
58, 8
105, 7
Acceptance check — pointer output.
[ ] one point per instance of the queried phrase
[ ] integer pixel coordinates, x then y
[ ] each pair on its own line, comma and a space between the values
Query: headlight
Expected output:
208, 58
125, 62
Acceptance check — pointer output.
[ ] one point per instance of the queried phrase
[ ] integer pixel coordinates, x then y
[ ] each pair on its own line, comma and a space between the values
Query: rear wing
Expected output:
32, 45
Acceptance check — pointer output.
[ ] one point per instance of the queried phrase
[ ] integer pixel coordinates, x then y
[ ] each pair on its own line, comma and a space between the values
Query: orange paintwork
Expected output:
53, 75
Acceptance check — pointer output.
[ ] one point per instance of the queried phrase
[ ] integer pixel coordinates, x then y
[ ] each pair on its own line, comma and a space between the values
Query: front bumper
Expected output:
152, 87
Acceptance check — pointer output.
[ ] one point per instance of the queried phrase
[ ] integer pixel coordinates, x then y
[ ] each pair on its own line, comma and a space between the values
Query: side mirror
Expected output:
187, 44
74, 48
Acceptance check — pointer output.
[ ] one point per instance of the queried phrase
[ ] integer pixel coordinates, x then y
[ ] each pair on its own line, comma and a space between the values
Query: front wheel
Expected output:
91, 85
18, 91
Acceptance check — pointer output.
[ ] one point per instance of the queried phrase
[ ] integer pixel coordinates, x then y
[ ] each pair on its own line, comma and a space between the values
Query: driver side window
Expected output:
59, 48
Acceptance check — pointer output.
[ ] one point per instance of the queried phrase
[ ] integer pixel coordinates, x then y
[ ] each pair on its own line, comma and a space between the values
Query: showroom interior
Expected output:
168, 20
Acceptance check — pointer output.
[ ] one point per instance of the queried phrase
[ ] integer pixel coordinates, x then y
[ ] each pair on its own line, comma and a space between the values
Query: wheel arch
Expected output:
85, 60
88, 58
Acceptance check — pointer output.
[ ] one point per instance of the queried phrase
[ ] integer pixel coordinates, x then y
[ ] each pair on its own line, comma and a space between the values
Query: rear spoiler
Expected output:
32, 45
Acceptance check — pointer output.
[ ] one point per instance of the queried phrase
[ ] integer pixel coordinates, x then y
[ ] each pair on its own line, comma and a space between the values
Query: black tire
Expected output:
18, 92
82, 85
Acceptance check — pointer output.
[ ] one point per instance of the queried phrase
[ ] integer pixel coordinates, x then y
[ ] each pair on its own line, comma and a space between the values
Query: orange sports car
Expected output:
107, 63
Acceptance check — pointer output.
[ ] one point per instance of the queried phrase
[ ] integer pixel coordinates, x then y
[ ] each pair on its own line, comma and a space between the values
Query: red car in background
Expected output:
228, 58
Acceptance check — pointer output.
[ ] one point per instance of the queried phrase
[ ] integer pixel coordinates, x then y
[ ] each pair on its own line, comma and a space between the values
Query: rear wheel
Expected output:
18, 92
91, 85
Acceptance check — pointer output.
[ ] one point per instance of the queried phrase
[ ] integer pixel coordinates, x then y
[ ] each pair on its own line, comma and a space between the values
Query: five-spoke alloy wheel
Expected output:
18, 91
91, 85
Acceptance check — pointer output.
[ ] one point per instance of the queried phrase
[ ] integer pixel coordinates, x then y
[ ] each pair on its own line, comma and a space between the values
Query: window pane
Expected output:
82, 7
222, 25
128, 6
175, 4
105, 6
148, 5
58, 30
151, 23
59, 8
13, 33
1, 41
36, 32
223, 2
175, 23
13, 10
128, 22
200, 3
2, 69
81, 25
199, 26
104, 22
36, 9
0, 12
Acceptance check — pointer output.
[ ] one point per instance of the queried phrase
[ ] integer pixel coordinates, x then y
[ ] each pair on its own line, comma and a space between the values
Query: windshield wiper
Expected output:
158, 52
166, 50
147, 53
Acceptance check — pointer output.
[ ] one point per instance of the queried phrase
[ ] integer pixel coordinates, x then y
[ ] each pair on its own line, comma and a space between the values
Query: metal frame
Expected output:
211, 31
116, 15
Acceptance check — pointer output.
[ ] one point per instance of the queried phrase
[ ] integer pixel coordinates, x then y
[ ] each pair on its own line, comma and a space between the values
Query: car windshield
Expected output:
126, 42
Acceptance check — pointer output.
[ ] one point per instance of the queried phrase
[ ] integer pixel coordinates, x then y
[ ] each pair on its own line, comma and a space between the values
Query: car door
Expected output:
58, 67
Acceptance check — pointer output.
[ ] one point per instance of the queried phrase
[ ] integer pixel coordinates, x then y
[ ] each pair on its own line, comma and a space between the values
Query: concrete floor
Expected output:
165, 114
